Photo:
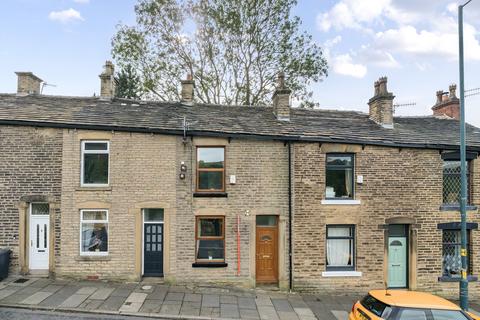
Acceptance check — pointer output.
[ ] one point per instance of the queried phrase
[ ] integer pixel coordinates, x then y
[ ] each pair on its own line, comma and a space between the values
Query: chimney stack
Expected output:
381, 104
281, 99
188, 87
107, 81
447, 104
28, 83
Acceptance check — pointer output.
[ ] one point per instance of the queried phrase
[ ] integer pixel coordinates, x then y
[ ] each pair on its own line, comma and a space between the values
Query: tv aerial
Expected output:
472, 92
399, 105
44, 84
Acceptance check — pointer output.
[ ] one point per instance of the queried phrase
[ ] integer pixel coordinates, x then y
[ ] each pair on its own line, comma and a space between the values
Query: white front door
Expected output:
39, 239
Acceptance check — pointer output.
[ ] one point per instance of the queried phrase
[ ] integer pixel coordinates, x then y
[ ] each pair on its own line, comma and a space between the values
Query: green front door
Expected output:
397, 262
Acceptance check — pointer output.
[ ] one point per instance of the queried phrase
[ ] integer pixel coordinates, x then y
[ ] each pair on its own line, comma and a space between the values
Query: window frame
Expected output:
339, 167
198, 170
82, 162
469, 181
82, 221
353, 232
197, 238
459, 244
31, 204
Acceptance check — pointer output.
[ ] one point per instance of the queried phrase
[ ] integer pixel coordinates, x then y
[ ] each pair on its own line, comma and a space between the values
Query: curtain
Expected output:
348, 182
338, 250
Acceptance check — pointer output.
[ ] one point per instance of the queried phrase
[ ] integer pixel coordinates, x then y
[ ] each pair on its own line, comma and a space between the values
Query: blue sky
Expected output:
413, 43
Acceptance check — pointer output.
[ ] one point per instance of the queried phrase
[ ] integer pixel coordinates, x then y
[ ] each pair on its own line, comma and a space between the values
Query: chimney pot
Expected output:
107, 82
188, 87
439, 96
452, 88
28, 83
381, 104
281, 99
447, 103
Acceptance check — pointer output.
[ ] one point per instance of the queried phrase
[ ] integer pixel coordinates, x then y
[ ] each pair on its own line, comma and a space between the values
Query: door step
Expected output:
156, 280
38, 273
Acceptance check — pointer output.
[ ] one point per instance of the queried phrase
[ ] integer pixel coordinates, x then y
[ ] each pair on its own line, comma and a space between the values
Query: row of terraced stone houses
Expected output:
312, 200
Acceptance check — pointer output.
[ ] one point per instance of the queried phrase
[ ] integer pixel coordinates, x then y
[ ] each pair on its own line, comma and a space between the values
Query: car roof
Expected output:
412, 299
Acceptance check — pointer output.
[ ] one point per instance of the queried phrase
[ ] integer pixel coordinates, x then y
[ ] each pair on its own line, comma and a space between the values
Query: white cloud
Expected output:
377, 57
82, 1
344, 65
65, 16
352, 14
441, 41
332, 42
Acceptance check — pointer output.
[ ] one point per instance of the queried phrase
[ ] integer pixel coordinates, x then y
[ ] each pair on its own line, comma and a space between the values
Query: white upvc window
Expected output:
95, 163
94, 232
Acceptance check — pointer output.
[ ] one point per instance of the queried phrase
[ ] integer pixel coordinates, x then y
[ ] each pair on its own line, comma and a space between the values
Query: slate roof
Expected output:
258, 122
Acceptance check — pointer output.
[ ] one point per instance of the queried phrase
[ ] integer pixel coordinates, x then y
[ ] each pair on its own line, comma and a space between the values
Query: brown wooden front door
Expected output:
267, 249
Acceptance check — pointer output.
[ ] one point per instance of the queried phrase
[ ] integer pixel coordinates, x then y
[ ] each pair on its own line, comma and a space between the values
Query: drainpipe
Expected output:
238, 245
290, 257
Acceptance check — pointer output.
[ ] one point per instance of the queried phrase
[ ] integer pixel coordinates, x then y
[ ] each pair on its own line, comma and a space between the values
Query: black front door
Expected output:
153, 249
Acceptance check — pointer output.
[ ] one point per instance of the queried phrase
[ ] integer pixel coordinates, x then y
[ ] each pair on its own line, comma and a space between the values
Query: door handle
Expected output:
266, 257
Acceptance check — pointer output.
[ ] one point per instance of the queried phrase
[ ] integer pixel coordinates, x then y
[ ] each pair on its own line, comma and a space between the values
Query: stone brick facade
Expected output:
30, 168
402, 184
144, 173
261, 188
399, 184
141, 173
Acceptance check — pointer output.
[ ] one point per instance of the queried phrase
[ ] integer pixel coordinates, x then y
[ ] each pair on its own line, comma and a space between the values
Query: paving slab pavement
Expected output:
90, 304
151, 306
159, 299
101, 294
211, 300
37, 297
112, 303
86, 290
59, 296
249, 314
6, 292
74, 300
190, 308
171, 308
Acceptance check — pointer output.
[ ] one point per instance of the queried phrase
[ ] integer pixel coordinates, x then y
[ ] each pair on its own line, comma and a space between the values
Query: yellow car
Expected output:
406, 305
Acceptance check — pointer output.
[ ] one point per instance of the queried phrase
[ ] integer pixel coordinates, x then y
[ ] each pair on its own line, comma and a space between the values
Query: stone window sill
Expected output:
210, 265
341, 202
93, 258
328, 274
455, 207
86, 188
210, 195
456, 279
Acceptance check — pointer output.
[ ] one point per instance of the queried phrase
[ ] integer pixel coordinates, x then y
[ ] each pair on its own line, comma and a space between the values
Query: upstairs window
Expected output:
95, 163
452, 177
339, 176
210, 169
452, 182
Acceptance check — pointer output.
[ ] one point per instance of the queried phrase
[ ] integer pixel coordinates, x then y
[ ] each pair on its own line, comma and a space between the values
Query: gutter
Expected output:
233, 135
290, 256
